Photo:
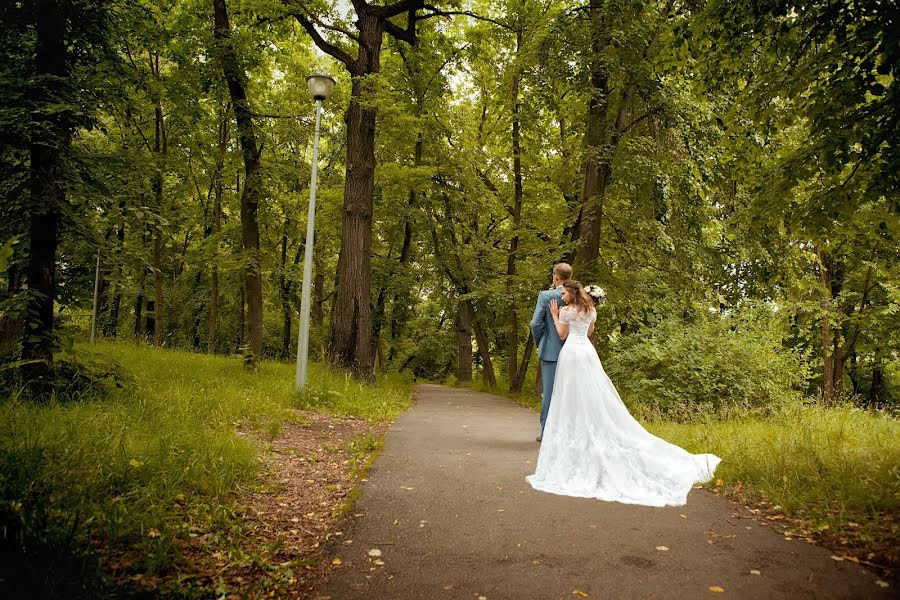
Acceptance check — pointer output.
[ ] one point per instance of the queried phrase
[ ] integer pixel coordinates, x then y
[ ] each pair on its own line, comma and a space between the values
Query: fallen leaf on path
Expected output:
378, 562
580, 593
662, 548
683, 516
337, 561
715, 588
755, 572
396, 521
374, 552
882, 584
721, 535
406, 487
719, 483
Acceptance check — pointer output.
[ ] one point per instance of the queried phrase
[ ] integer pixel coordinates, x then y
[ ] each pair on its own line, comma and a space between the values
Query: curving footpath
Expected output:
446, 513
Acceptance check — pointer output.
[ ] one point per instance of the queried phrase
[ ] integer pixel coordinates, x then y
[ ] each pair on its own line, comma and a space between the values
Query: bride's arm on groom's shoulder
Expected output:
562, 329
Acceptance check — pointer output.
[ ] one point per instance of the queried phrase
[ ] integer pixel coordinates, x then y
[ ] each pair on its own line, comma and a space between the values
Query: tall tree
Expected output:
49, 141
252, 192
350, 344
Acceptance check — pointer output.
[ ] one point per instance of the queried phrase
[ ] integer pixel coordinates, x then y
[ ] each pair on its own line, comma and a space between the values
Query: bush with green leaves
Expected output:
711, 365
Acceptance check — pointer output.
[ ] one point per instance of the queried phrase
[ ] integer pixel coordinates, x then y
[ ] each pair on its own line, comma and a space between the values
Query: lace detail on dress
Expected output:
579, 323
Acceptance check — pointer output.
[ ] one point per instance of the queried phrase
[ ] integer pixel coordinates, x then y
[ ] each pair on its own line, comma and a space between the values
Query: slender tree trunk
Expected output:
512, 316
463, 343
47, 193
160, 149
252, 179
217, 227
400, 304
112, 325
241, 319
523, 366
827, 335
317, 308
876, 389
484, 348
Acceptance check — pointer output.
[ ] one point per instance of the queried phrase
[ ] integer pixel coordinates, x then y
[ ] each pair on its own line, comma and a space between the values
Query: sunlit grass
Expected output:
830, 463
135, 466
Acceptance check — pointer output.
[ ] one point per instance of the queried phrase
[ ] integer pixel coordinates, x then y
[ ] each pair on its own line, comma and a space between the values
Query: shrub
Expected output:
712, 365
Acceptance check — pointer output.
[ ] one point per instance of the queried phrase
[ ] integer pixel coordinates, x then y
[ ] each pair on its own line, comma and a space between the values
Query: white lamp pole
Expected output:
320, 86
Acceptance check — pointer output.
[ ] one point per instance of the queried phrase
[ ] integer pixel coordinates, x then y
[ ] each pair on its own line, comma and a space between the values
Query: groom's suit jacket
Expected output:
542, 327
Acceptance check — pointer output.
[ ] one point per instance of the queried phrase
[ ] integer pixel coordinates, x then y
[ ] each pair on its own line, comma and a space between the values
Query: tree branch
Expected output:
325, 46
392, 10
407, 35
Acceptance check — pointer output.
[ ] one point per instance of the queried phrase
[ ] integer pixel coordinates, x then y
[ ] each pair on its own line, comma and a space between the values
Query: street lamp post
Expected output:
320, 86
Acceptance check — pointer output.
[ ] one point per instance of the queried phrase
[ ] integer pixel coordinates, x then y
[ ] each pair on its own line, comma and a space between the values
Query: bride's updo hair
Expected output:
583, 302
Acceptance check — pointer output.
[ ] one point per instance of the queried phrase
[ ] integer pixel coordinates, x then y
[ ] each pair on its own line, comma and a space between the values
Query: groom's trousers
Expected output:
548, 376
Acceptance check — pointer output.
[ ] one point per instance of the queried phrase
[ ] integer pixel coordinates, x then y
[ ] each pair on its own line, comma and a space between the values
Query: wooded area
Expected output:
728, 172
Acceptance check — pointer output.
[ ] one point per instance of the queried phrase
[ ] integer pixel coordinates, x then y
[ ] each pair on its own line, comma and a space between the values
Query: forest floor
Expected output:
299, 503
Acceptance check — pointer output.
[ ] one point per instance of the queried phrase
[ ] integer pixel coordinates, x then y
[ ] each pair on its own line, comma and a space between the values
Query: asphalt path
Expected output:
446, 513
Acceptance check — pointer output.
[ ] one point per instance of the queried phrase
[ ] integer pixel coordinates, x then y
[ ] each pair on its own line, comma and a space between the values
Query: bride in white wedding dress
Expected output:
592, 447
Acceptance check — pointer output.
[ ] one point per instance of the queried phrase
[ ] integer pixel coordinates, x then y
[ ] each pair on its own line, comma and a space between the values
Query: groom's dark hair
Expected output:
563, 271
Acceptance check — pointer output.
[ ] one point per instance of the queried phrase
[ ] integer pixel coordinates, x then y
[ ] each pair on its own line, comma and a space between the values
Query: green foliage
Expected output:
709, 366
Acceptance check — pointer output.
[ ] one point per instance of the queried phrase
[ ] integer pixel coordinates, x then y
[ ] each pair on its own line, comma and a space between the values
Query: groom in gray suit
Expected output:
546, 338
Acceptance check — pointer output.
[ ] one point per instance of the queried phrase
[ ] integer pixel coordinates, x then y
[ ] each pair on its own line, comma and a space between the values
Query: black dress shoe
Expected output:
538, 438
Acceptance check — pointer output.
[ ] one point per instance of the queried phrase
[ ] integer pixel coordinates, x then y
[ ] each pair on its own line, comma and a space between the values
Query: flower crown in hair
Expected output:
596, 292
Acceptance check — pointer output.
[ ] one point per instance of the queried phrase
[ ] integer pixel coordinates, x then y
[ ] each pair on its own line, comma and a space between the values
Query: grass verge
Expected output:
138, 467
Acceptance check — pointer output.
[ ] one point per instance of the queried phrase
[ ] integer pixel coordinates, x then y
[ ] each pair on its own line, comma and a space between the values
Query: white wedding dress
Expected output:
593, 448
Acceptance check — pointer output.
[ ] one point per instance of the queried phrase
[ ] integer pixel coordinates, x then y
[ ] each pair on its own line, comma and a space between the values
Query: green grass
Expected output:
137, 466
829, 464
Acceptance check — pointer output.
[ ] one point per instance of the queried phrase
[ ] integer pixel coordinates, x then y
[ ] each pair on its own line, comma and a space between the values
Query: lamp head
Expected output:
320, 85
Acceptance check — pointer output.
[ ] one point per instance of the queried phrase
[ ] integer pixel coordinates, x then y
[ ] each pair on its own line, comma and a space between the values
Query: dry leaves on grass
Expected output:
871, 543
297, 505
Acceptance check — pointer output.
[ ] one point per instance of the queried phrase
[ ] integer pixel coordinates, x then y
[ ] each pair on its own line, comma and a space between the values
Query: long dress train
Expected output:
593, 448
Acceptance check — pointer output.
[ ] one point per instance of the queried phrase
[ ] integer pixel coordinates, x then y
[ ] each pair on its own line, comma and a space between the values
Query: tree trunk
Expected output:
317, 308
512, 316
523, 366
484, 349
827, 335
350, 345
876, 389
463, 343
112, 325
160, 148
596, 162
216, 228
252, 179
47, 193
400, 305
241, 319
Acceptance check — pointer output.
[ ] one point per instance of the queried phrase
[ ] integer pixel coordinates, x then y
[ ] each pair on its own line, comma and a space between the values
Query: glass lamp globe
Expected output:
320, 85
